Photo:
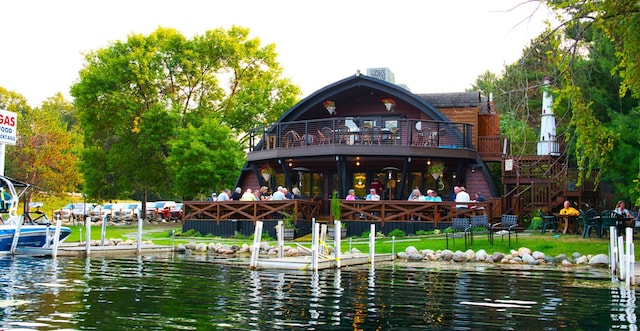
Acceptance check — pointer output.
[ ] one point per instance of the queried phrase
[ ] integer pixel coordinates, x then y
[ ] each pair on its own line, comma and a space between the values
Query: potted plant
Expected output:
389, 103
289, 227
266, 171
436, 169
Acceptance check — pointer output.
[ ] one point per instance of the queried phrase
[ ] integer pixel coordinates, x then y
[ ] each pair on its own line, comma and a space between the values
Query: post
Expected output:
372, 243
280, 236
612, 251
393, 247
314, 252
627, 259
56, 239
139, 238
103, 232
337, 226
87, 224
255, 249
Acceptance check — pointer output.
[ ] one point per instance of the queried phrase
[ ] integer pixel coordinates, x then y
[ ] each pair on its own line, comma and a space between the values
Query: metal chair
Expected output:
481, 221
548, 221
459, 225
507, 225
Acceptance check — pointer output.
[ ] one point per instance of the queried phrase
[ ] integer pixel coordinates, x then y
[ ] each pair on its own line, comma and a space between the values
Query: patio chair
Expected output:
459, 225
481, 221
589, 222
291, 138
365, 135
344, 134
608, 218
548, 221
376, 135
325, 136
507, 225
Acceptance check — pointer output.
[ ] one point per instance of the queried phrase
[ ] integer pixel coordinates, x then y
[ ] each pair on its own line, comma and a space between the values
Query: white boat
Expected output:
34, 229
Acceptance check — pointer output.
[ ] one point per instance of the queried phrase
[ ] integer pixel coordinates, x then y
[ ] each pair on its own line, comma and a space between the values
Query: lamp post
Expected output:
390, 171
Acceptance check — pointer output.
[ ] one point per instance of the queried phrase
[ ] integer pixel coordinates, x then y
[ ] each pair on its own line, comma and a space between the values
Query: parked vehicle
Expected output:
64, 213
105, 212
128, 213
160, 210
80, 210
177, 212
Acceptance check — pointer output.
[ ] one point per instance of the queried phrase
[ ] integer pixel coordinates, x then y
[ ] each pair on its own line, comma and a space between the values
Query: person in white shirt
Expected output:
373, 196
462, 196
279, 194
224, 195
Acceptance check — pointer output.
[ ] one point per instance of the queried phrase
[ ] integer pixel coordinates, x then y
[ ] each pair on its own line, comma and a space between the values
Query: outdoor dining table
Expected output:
568, 223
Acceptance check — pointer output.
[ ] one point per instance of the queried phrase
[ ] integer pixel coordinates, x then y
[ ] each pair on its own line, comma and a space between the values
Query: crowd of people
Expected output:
282, 193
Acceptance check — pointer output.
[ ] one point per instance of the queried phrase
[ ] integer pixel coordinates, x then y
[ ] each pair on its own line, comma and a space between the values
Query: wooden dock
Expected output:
305, 262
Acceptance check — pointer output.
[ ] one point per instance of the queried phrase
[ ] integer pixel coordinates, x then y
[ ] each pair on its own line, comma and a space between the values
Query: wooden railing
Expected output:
372, 211
251, 210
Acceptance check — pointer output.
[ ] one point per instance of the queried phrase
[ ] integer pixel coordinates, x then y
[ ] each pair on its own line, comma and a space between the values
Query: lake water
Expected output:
177, 292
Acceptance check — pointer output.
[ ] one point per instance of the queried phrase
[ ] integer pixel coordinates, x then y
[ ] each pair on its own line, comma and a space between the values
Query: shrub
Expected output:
397, 233
365, 234
422, 232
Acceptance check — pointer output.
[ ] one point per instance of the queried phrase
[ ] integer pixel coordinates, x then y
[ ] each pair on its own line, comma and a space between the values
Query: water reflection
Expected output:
198, 294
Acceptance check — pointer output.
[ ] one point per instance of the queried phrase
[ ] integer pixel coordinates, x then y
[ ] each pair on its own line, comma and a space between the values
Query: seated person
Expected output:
432, 196
621, 210
568, 210
462, 196
351, 195
373, 196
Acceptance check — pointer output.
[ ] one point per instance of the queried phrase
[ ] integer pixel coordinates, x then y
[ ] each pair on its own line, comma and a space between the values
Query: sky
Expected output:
430, 46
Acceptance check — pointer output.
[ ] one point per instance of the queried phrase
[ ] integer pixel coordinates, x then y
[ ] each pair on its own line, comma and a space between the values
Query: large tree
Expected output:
46, 152
146, 98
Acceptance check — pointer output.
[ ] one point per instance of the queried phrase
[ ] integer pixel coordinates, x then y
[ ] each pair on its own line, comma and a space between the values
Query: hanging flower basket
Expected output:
266, 171
330, 106
436, 169
389, 103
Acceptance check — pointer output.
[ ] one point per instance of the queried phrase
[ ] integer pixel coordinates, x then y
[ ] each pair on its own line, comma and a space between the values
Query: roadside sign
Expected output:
8, 131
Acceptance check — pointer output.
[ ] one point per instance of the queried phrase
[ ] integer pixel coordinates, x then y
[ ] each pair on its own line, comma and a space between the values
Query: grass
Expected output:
546, 243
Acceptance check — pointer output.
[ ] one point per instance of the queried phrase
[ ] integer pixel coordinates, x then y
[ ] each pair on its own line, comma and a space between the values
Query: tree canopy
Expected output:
46, 151
150, 105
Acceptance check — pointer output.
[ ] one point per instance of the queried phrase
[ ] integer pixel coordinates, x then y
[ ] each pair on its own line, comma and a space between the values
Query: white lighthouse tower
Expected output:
548, 145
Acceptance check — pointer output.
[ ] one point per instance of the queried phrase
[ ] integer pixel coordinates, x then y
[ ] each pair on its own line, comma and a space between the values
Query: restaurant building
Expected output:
364, 132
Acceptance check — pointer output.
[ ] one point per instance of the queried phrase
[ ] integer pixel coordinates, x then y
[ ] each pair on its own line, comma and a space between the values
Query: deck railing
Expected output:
361, 131
371, 211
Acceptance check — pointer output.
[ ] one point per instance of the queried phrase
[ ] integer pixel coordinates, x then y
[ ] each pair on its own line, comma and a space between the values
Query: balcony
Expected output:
360, 135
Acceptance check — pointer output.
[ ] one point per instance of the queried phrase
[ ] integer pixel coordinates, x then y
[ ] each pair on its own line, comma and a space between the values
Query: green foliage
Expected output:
190, 233
536, 222
423, 232
204, 158
336, 212
397, 233
151, 104
46, 152
365, 234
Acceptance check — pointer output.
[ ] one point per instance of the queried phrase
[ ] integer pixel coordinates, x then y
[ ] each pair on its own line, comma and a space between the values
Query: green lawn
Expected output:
546, 243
